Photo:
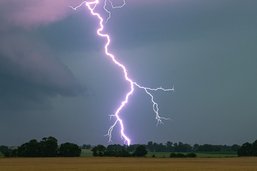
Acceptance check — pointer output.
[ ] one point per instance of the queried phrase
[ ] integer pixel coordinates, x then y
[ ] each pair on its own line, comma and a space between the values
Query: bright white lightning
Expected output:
91, 5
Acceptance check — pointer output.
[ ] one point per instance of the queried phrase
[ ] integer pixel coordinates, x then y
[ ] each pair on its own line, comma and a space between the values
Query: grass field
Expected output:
88, 153
128, 164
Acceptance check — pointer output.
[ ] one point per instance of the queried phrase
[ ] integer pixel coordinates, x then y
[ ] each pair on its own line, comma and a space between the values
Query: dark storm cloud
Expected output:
179, 20
29, 72
74, 33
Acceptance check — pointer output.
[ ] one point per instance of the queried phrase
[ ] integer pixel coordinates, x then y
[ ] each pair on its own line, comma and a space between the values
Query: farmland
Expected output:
88, 153
128, 164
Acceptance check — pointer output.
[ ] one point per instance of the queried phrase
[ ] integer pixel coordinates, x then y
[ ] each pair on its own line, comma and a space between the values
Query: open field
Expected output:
127, 164
88, 153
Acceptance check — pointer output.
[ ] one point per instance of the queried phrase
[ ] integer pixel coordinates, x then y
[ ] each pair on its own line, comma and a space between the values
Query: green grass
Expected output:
86, 153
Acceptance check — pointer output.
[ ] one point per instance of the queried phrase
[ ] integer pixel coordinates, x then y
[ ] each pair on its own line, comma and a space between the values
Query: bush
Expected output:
181, 155
191, 155
173, 155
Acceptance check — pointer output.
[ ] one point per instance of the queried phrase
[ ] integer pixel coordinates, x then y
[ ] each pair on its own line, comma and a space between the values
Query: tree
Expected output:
180, 147
140, 151
116, 150
169, 146
46, 148
5, 151
254, 148
99, 150
245, 150
235, 147
69, 150
196, 147
86, 146
150, 146
29, 149
49, 147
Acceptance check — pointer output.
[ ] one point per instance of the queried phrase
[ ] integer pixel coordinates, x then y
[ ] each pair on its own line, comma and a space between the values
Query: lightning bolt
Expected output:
91, 6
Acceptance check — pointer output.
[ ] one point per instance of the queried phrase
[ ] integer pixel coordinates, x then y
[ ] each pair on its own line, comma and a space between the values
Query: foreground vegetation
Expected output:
49, 147
128, 164
89, 153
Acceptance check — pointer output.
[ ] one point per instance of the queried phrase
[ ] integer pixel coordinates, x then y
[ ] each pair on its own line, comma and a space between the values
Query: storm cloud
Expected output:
30, 72
30, 13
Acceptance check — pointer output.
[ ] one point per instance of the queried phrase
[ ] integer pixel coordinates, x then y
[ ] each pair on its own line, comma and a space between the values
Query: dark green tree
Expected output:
150, 146
254, 148
245, 150
5, 151
116, 150
235, 147
181, 147
169, 146
196, 147
86, 146
140, 151
99, 150
69, 150
49, 147
29, 149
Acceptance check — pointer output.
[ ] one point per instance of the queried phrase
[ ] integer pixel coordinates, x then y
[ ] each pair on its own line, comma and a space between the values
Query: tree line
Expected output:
184, 147
180, 147
176, 150
117, 150
136, 150
248, 149
47, 147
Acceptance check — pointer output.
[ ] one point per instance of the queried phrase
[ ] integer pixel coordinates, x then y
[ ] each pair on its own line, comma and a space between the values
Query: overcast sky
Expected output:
55, 79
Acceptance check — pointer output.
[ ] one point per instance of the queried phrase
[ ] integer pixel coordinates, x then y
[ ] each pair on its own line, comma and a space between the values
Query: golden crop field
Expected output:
128, 164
